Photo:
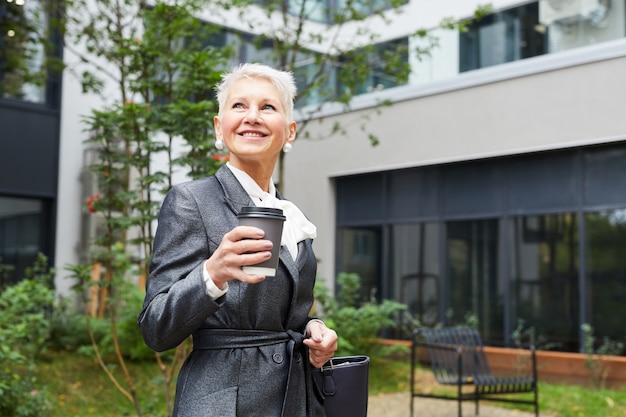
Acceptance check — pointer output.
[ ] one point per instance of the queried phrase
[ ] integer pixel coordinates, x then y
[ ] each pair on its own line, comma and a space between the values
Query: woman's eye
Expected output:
269, 107
238, 106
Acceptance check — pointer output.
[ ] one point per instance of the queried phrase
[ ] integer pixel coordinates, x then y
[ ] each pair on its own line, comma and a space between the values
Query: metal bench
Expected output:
457, 358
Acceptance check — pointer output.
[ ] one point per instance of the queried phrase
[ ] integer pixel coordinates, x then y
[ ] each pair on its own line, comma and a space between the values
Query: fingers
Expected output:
244, 245
318, 358
322, 343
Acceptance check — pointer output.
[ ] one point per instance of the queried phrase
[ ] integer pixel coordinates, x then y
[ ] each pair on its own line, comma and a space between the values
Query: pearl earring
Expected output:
287, 147
219, 145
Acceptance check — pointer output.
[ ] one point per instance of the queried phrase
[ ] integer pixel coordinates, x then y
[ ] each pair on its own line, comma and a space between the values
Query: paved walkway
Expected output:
397, 405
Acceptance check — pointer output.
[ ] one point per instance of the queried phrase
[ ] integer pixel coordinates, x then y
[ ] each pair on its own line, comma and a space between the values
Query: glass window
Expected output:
22, 28
360, 254
606, 273
472, 267
506, 36
388, 64
315, 10
545, 274
315, 83
414, 277
21, 223
365, 7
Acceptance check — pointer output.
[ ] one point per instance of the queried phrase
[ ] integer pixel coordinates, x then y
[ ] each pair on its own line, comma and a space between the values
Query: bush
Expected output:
24, 329
128, 333
68, 330
357, 322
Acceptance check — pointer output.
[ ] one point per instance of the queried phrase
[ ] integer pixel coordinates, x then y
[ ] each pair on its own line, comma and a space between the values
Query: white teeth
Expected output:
257, 135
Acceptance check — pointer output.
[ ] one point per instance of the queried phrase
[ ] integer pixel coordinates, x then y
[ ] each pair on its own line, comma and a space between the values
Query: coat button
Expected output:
278, 358
297, 357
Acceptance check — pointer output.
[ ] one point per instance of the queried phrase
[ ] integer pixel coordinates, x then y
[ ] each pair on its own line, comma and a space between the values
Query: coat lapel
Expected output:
234, 194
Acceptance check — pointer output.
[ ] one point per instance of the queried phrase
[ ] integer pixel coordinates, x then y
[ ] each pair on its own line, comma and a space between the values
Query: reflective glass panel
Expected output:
316, 10
20, 235
505, 36
360, 254
545, 274
473, 290
23, 24
415, 271
606, 273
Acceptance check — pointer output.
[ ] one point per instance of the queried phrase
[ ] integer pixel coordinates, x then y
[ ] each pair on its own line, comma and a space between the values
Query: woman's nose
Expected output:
252, 116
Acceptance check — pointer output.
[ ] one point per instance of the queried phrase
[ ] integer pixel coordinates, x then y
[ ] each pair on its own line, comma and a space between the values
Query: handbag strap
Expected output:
328, 382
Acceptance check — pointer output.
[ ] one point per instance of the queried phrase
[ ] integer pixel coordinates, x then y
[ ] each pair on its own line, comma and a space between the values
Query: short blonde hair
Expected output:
282, 80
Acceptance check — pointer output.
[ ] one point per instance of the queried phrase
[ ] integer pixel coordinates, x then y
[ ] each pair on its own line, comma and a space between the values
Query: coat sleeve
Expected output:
176, 302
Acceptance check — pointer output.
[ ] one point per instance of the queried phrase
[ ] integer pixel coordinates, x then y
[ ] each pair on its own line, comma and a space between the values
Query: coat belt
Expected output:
234, 338
237, 339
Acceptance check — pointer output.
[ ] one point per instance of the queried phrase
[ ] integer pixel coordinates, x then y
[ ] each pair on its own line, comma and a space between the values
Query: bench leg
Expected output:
460, 396
476, 399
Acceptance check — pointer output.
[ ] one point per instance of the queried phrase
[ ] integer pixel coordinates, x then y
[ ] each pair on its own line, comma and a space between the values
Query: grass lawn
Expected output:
79, 388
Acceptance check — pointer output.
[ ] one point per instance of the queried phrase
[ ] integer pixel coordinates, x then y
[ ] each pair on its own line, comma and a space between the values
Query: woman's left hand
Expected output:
321, 341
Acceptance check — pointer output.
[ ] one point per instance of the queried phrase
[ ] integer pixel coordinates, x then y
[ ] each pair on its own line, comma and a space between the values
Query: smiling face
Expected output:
253, 124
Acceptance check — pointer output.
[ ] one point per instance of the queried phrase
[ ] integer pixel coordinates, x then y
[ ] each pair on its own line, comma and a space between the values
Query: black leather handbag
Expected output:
344, 385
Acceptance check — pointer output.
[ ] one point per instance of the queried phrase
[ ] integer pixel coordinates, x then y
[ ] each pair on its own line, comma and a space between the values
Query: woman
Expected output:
254, 342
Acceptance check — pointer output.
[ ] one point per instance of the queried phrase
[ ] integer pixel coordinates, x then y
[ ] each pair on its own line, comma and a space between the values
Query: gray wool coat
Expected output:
248, 357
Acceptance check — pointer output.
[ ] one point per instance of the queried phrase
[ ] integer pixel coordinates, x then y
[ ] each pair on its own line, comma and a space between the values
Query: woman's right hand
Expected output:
244, 245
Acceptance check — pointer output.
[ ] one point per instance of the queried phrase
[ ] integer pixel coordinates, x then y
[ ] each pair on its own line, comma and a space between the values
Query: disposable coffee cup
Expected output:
271, 220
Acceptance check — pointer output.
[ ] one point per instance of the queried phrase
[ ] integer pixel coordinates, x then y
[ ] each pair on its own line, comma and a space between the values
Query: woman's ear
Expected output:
217, 127
292, 132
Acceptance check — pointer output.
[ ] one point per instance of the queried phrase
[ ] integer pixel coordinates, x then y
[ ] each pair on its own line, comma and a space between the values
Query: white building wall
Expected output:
71, 199
579, 104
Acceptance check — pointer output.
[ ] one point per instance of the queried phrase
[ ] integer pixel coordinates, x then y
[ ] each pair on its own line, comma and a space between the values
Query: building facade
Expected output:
30, 118
497, 190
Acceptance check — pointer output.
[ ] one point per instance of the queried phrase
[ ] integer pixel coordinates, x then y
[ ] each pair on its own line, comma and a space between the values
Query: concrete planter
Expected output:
566, 367
557, 367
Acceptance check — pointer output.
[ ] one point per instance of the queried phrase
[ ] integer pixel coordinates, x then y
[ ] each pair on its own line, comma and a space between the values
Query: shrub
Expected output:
24, 329
68, 330
357, 322
128, 334
594, 363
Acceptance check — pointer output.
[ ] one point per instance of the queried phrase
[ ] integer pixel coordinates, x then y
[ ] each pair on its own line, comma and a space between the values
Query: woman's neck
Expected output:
261, 174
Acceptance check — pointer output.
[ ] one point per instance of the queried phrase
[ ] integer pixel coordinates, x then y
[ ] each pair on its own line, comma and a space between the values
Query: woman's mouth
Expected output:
249, 134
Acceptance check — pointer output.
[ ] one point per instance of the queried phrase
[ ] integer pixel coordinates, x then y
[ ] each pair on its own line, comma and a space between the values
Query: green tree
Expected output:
162, 67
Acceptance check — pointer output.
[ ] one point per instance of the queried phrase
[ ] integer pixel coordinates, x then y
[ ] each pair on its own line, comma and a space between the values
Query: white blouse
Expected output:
296, 228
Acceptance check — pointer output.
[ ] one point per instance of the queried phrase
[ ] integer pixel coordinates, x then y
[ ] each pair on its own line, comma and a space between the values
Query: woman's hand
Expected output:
244, 245
322, 342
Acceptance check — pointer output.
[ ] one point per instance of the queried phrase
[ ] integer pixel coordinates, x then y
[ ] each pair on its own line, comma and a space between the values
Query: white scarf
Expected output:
296, 228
